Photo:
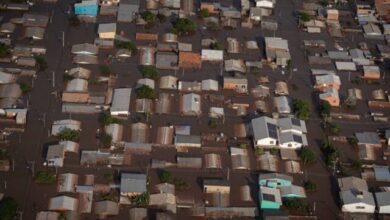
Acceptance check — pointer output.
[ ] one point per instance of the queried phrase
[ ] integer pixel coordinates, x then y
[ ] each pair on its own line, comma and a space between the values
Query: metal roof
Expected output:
133, 183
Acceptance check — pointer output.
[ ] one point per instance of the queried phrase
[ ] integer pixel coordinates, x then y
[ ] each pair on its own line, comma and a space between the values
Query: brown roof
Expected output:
146, 37
190, 60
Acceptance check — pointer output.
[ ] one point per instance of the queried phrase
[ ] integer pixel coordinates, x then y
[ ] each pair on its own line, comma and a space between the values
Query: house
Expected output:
146, 55
332, 14
212, 55
128, 10
210, 85
233, 45
139, 132
265, 3
35, 33
85, 49
330, 95
56, 153
387, 136
239, 85
371, 29
269, 198
235, 65
168, 82
292, 192
371, 73
290, 124
77, 85
190, 60
282, 104
166, 60
85, 59
255, 14
191, 104
47, 215
275, 180
265, 132
146, 37
346, 66
121, 102
324, 82
382, 8
216, 186
63, 203
107, 31
357, 201
187, 141
352, 183
6, 78
292, 140
281, 88
87, 7
106, 208
132, 184
59, 125
383, 202
368, 138
115, 131
79, 72
7, 28
67, 182
277, 51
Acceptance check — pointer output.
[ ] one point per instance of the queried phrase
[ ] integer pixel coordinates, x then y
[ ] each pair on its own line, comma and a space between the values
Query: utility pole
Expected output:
53, 79
63, 39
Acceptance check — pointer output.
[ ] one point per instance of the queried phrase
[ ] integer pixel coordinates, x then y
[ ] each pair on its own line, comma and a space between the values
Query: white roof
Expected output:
276, 43
63, 203
212, 55
328, 79
191, 103
346, 66
121, 101
106, 28
60, 125
209, 85
77, 85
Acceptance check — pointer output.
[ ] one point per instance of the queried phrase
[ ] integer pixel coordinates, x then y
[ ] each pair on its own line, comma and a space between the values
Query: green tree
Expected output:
356, 164
74, 21
301, 109
150, 72
8, 208
45, 178
107, 119
259, 151
295, 204
216, 46
243, 146
127, 45
334, 129
304, 17
145, 92
213, 123
180, 184
105, 70
68, 134
310, 186
149, 17
106, 140
307, 156
142, 199
109, 177
162, 18
67, 78
26, 88
353, 141
184, 26
165, 176
203, 13
41, 62
4, 50
325, 109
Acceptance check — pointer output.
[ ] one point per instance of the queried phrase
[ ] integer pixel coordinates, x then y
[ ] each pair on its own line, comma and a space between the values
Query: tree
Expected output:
353, 141
304, 17
109, 177
356, 164
8, 208
243, 146
295, 204
68, 134
67, 77
184, 26
145, 92
180, 184
45, 178
259, 151
4, 50
41, 62
307, 156
165, 176
216, 46
212, 26
325, 109
203, 13
105, 70
127, 45
107, 119
150, 72
213, 123
301, 109
26, 88
334, 129
162, 18
142, 199
107, 140
74, 21
310, 186
149, 17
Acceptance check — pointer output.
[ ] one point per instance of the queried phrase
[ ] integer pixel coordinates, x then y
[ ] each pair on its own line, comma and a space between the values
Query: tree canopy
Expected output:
184, 26
301, 109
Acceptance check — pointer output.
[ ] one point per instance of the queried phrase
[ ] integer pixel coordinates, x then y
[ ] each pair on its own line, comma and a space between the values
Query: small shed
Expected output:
190, 60
281, 88
139, 132
190, 104
107, 31
168, 82
165, 135
213, 160
106, 208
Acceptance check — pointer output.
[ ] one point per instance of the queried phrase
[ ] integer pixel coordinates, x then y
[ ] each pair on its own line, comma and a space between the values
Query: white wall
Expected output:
354, 208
